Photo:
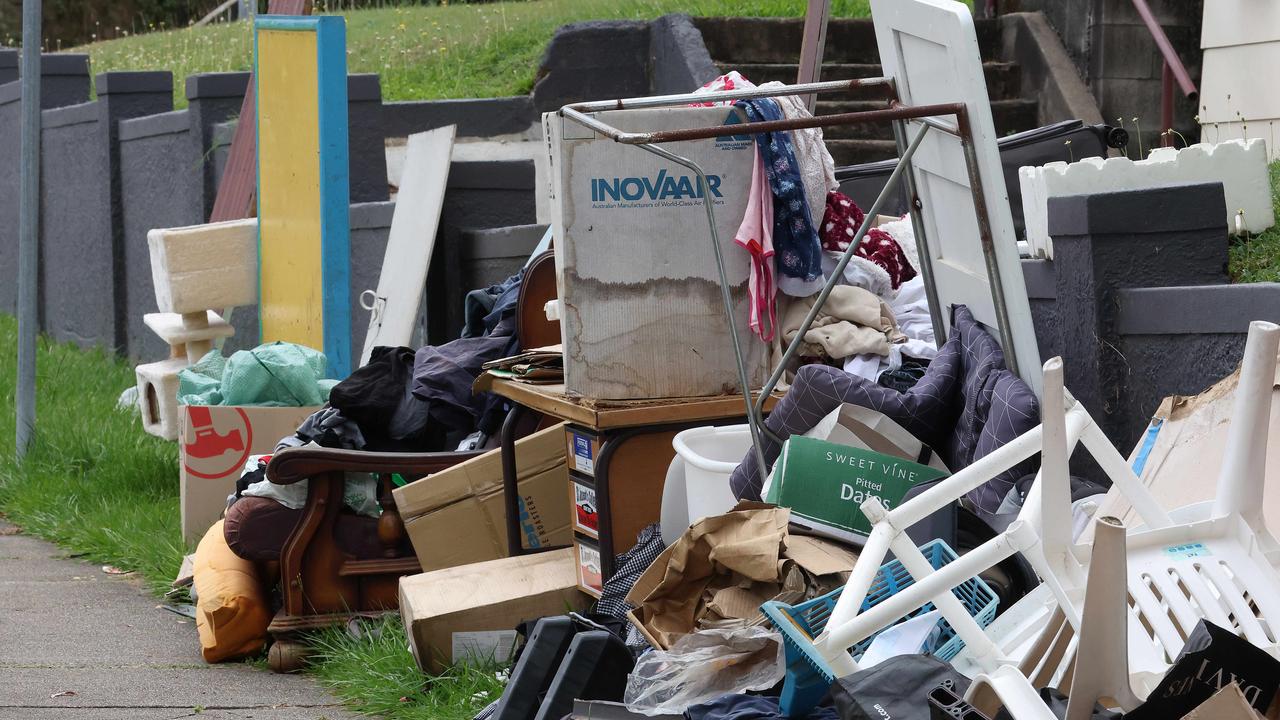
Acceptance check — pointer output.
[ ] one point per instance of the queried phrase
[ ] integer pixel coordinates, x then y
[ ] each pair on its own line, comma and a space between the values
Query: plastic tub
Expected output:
710, 455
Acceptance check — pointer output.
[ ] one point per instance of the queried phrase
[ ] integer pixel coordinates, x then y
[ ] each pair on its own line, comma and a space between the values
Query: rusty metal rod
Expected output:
895, 112
1166, 48
655, 101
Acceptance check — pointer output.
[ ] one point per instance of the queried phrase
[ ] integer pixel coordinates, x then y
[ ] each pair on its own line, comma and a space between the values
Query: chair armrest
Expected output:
294, 464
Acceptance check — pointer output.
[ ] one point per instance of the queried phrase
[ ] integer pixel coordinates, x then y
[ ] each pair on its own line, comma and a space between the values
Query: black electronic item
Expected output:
595, 668
946, 704
535, 669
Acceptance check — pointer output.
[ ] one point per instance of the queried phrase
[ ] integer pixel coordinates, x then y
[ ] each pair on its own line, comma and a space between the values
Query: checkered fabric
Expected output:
966, 405
630, 565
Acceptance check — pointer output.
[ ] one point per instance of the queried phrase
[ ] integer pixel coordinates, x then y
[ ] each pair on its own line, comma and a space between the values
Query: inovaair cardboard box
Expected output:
641, 310
214, 442
458, 516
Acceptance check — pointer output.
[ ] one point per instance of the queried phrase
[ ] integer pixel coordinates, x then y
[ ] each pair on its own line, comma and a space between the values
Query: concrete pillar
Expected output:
368, 155
8, 66
1157, 237
123, 95
64, 79
213, 98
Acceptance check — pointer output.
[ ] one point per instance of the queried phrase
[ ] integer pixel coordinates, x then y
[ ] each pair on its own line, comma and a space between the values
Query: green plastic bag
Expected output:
276, 374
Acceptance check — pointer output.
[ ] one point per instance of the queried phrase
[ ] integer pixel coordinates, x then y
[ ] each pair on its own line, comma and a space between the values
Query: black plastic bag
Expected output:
896, 689
1211, 659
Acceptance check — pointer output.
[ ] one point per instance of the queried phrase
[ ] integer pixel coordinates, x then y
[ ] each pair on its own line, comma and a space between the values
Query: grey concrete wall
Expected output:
59, 86
1115, 53
479, 195
1028, 40
212, 99
593, 61
678, 58
486, 117
367, 154
161, 185
1101, 250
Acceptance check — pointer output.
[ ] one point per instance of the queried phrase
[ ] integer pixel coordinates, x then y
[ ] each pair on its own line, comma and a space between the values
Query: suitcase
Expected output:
535, 669
595, 668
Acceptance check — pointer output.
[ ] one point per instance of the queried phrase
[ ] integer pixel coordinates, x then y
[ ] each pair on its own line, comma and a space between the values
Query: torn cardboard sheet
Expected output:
724, 567
1178, 457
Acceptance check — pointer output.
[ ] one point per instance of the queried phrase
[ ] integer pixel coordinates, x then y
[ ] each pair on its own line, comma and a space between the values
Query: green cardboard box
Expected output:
825, 484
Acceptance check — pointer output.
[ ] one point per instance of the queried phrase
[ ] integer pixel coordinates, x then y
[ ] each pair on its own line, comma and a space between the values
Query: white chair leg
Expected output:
1055, 481
1102, 666
1007, 687
1240, 487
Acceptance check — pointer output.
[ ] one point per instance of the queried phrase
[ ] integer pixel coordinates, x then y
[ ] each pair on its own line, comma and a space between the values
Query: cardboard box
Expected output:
825, 484
471, 611
641, 309
458, 516
213, 444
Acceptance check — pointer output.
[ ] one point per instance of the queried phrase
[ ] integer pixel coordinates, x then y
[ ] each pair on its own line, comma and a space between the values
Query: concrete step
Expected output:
777, 40
1003, 78
1010, 116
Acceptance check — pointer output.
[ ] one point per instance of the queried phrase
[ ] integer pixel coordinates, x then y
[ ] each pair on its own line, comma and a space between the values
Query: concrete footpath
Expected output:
80, 644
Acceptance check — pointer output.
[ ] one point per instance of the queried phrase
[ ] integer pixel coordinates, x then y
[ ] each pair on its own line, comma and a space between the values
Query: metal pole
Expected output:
28, 225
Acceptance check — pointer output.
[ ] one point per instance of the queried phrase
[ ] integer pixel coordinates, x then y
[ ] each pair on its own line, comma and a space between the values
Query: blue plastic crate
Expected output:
808, 675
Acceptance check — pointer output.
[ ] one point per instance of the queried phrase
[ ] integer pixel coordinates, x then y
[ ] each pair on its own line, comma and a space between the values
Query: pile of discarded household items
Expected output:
815, 470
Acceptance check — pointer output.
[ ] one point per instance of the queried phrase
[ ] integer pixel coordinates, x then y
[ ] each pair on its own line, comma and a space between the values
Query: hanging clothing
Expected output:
756, 235
798, 253
817, 168
732, 80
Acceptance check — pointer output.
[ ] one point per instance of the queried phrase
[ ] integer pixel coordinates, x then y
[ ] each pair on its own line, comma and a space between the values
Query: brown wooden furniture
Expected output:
538, 287
320, 584
618, 453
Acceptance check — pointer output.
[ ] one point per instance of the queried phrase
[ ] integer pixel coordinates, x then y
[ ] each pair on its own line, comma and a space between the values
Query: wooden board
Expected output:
237, 188
930, 49
303, 185
411, 240
602, 415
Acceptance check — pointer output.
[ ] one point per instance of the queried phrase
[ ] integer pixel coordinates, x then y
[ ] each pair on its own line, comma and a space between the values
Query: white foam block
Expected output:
205, 266
175, 331
1241, 167
158, 396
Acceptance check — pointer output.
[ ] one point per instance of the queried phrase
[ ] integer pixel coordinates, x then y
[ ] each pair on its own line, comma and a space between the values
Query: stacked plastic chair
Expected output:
1216, 563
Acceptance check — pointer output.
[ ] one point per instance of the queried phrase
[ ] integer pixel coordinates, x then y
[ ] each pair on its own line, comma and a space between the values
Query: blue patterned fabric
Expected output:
966, 405
797, 248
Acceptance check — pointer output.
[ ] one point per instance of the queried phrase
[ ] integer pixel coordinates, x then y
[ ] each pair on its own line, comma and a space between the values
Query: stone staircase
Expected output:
766, 49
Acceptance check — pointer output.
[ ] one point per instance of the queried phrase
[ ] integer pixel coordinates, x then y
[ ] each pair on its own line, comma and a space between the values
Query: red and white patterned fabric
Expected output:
840, 225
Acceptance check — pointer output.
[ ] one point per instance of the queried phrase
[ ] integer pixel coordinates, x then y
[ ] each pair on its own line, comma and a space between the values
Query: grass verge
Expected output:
375, 674
428, 52
98, 486
92, 481
1257, 259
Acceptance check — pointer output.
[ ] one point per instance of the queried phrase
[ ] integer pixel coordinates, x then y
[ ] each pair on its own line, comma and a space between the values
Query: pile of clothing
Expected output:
797, 226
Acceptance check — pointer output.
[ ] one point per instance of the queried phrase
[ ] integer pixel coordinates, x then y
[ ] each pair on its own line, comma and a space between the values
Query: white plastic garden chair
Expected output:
1215, 568
1237, 588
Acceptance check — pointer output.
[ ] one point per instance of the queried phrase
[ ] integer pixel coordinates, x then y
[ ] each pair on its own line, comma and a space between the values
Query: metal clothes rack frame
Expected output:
896, 113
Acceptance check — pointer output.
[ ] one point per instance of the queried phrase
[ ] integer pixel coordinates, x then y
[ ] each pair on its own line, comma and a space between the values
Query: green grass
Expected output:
375, 674
1257, 259
93, 481
98, 486
428, 52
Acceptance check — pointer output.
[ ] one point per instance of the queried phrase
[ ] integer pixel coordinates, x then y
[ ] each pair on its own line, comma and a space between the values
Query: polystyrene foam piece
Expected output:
205, 266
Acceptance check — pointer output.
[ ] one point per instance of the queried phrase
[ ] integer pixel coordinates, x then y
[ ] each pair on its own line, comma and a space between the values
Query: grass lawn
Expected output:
426, 52
94, 483
1258, 258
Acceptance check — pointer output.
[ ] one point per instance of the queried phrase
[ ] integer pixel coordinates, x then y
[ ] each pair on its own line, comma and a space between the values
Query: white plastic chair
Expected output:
1177, 573
1215, 568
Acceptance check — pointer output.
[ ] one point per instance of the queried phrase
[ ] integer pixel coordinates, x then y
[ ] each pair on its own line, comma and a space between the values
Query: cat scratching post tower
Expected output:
195, 270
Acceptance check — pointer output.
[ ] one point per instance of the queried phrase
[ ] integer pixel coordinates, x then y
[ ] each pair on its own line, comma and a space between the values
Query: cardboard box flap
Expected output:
819, 557
1227, 704
537, 453
443, 592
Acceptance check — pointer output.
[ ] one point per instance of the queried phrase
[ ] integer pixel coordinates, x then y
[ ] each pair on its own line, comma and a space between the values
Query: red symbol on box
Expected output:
216, 452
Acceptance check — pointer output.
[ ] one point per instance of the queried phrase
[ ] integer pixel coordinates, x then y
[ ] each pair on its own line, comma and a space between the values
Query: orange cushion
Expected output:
231, 610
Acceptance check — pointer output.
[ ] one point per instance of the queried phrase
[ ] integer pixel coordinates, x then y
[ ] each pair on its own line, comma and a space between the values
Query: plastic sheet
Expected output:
276, 374
704, 665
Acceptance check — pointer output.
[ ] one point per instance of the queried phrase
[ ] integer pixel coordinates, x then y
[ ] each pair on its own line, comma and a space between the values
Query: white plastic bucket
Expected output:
710, 455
